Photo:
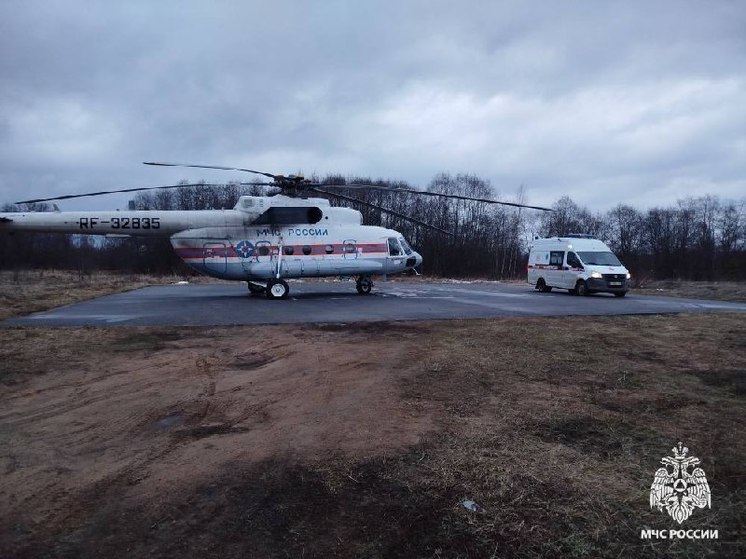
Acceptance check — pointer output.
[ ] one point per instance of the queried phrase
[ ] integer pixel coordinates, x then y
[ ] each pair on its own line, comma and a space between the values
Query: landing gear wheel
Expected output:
256, 289
364, 285
581, 288
277, 289
542, 286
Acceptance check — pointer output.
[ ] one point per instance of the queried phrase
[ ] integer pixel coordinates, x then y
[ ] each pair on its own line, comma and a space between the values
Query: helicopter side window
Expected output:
263, 250
288, 250
405, 245
306, 250
329, 249
394, 248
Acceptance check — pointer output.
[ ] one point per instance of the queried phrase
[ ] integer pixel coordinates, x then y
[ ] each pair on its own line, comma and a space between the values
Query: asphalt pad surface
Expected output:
338, 302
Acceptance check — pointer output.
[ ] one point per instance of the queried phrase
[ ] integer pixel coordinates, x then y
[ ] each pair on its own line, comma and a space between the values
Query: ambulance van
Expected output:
578, 263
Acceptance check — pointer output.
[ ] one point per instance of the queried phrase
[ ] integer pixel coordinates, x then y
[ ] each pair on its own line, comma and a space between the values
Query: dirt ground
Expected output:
365, 440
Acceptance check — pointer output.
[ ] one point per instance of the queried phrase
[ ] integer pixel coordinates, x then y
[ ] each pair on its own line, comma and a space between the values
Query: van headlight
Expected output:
629, 276
596, 275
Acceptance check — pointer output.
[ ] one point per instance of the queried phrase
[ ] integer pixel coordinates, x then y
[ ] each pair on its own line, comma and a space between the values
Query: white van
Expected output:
578, 263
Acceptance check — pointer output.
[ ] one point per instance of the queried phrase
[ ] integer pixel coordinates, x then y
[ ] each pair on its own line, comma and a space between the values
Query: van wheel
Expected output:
542, 286
581, 288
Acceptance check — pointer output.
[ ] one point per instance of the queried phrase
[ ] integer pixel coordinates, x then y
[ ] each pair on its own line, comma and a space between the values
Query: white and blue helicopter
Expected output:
263, 240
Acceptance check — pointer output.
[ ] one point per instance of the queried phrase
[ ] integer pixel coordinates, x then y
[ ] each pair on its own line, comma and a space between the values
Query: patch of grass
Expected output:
733, 380
145, 340
555, 438
591, 434
717, 290
28, 291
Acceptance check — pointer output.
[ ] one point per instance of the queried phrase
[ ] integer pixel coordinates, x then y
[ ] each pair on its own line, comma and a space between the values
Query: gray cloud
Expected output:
634, 102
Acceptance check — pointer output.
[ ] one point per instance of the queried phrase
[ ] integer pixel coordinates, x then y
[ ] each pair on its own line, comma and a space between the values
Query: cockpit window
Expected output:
405, 246
394, 248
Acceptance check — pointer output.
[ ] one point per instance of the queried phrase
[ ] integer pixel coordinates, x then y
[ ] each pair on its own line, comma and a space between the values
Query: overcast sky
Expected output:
640, 102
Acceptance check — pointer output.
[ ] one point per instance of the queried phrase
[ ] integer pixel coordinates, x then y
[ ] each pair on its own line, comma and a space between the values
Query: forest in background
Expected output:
695, 238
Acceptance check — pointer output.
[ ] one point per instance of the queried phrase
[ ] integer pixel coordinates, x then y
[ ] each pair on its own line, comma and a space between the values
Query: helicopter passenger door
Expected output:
264, 266
214, 257
262, 251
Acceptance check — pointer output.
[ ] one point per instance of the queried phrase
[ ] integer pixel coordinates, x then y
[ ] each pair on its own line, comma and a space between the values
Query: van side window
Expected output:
573, 261
556, 257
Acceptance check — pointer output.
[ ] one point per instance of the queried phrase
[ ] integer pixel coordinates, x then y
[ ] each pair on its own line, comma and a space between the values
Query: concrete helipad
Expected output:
225, 304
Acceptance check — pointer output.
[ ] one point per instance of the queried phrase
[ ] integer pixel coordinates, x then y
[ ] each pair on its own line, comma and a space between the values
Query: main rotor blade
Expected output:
218, 167
364, 186
360, 186
392, 212
294, 182
487, 200
89, 194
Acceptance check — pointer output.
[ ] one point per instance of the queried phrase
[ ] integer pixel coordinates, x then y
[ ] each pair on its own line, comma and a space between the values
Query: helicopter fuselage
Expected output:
293, 251
262, 238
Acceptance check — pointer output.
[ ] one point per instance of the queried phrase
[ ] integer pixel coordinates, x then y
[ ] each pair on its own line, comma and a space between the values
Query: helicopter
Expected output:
263, 240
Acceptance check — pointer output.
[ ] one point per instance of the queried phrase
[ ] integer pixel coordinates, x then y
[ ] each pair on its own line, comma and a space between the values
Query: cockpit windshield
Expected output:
599, 258
405, 246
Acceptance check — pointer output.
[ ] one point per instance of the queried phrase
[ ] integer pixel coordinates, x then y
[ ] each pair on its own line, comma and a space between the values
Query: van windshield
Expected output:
599, 258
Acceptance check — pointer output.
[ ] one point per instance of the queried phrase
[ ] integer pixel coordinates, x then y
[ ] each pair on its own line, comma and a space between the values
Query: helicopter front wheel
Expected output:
277, 289
364, 285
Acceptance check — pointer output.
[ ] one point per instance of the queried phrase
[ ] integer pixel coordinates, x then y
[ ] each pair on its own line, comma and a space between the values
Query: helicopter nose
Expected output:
417, 259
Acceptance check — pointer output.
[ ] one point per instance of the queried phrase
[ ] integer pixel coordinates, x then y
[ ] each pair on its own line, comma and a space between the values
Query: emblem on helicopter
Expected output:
245, 249
676, 488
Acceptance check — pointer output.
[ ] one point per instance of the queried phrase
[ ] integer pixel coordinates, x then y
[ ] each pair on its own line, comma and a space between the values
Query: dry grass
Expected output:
720, 290
27, 291
554, 427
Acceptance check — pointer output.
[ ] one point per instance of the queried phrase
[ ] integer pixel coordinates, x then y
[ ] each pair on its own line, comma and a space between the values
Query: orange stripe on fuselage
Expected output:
230, 252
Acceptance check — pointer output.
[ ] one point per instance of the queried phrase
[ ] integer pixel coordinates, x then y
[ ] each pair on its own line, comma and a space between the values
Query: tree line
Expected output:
695, 238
